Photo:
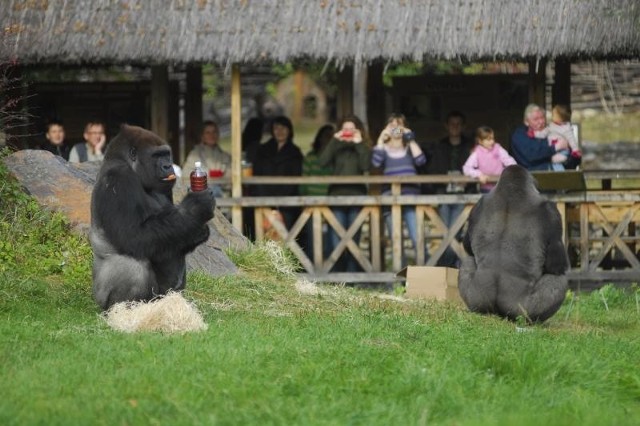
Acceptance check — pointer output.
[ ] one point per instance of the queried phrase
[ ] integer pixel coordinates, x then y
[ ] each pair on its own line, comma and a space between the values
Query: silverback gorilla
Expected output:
138, 236
517, 261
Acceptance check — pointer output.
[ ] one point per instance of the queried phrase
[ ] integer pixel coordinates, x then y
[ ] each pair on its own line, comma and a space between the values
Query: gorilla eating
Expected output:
517, 261
138, 236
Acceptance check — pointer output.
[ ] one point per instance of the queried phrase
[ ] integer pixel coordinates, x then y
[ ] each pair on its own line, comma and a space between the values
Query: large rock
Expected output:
66, 187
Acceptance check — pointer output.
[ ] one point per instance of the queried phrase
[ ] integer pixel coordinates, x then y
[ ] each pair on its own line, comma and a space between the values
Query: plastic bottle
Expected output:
198, 178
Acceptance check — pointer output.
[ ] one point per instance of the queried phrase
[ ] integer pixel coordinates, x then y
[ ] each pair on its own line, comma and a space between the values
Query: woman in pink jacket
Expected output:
487, 159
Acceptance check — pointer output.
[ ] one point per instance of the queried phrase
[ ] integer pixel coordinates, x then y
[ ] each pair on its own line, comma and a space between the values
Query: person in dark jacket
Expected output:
279, 156
348, 154
530, 152
447, 156
55, 143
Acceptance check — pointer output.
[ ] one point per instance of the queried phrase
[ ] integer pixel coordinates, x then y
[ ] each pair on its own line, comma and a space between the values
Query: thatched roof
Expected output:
227, 31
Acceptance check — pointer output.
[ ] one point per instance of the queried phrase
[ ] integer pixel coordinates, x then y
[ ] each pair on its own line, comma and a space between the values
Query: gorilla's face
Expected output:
154, 167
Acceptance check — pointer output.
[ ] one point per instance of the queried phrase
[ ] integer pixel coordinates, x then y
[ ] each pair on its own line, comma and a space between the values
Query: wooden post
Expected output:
360, 94
396, 231
561, 90
298, 88
160, 101
192, 108
236, 146
376, 114
345, 92
537, 83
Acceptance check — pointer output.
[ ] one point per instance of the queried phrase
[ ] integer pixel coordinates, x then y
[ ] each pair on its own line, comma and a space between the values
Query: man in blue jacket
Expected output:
531, 152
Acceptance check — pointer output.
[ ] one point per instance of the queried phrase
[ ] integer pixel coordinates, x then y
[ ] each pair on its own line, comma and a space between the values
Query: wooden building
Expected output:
360, 37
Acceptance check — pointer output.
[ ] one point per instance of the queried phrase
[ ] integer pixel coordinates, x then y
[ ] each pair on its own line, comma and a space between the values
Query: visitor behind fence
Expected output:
311, 167
279, 156
447, 156
348, 154
535, 152
398, 154
215, 161
488, 159
561, 128
251, 139
94, 146
55, 142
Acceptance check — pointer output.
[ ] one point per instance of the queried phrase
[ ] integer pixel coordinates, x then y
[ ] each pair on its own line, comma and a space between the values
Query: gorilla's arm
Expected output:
556, 259
140, 225
473, 215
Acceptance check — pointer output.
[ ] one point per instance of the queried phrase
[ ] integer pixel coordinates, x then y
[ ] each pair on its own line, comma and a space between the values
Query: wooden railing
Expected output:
599, 225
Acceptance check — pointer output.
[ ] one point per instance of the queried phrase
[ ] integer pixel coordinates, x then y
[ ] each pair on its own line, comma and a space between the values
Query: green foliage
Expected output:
403, 69
211, 82
37, 241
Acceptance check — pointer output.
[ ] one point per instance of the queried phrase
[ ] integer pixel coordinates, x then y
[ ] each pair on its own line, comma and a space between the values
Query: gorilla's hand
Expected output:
200, 205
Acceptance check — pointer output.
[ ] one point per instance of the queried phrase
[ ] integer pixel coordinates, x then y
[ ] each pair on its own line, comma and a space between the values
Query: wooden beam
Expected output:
537, 81
192, 108
160, 101
236, 146
376, 113
561, 90
344, 105
360, 94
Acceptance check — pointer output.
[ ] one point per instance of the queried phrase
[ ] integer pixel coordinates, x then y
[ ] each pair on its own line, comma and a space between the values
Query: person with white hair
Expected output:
529, 151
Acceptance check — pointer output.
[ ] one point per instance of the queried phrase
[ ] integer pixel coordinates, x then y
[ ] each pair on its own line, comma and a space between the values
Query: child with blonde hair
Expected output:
560, 128
487, 159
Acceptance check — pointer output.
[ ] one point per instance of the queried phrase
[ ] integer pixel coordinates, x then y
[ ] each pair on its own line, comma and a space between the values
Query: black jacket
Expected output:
270, 161
443, 157
61, 150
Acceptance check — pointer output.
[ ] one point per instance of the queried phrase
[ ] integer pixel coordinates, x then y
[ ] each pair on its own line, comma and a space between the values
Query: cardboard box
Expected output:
431, 282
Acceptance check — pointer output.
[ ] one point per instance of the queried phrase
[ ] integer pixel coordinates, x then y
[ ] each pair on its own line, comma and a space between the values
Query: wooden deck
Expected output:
600, 225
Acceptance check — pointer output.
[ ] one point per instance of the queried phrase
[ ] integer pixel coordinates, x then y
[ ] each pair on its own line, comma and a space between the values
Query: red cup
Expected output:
215, 173
347, 134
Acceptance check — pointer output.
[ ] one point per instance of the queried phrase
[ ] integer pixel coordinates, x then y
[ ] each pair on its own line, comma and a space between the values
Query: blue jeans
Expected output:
449, 213
409, 219
346, 216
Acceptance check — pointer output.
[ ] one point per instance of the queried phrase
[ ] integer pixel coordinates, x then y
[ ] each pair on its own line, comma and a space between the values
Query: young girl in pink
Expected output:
487, 159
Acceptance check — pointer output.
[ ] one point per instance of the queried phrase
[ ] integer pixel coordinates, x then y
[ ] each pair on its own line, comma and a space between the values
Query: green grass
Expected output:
275, 355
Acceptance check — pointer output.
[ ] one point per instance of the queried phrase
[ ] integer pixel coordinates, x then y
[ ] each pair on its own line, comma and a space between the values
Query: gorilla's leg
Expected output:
477, 288
171, 274
513, 291
120, 278
534, 301
546, 297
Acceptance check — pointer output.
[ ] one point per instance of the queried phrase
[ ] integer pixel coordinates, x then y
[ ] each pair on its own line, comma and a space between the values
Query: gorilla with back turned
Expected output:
138, 236
517, 261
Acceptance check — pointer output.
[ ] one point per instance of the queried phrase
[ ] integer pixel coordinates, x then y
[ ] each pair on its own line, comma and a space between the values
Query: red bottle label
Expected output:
198, 180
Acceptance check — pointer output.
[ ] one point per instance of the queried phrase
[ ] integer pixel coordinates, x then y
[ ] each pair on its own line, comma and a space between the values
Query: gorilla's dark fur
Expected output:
139, 237
517, 261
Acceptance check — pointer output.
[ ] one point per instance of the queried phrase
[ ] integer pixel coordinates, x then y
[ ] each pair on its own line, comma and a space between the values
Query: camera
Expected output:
347, 134
396, 132
408, 137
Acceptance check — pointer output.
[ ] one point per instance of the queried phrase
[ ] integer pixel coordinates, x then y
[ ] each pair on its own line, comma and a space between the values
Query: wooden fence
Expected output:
599, 225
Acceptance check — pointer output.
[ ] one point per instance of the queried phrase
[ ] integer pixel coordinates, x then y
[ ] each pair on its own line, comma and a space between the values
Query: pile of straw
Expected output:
168, 314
